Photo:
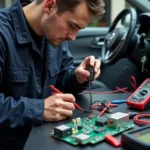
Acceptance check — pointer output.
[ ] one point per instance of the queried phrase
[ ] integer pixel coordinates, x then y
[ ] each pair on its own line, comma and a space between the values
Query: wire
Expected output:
142, 122
90, 95
100, 106
133, 82
124, 90
108, 92
89, 111
103, 103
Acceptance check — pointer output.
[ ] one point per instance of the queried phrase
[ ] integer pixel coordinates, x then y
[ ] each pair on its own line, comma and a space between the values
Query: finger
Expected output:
68, 105
63, 117
60, 103
55, 116
88, 61
91, 60
59, 117
63, 112
97, 65
66, 97
83, 73
97, 74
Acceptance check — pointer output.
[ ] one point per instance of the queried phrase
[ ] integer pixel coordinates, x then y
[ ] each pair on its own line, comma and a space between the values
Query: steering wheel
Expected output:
118, 39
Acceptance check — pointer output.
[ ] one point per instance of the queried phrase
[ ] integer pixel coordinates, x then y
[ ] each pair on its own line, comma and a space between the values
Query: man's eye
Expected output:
72, 26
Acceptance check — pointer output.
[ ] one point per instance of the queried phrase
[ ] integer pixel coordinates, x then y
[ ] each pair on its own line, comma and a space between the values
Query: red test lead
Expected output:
54, 89
57, 91
112, 140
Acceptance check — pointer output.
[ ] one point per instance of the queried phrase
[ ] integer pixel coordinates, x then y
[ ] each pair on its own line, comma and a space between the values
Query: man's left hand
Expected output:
82, 74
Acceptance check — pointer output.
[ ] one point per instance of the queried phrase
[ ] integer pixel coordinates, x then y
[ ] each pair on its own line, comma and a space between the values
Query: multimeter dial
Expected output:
142, 93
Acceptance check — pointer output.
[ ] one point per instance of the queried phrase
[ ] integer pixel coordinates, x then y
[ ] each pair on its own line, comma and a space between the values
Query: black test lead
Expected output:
90, 79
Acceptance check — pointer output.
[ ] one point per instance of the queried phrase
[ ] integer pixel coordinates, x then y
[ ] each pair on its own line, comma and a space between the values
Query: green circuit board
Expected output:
90, 133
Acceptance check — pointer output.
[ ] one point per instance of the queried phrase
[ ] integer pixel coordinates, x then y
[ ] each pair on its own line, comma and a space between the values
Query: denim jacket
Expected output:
21, 68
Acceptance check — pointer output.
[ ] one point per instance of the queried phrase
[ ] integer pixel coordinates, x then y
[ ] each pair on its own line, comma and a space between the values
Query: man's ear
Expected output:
48, 5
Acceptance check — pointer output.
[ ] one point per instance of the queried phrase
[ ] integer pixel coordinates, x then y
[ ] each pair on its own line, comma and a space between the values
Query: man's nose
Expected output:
72, 36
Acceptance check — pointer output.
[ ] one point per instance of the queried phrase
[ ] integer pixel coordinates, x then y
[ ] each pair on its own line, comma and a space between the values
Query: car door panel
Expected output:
89, 41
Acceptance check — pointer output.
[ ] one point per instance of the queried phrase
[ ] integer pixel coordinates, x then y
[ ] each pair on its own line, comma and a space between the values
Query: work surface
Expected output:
39, 138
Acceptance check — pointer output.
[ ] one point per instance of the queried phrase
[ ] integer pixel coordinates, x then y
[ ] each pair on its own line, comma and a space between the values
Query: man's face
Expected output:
59, 28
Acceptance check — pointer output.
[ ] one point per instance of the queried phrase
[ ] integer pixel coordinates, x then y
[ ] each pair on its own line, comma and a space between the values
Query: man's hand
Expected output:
58, 107
82, 74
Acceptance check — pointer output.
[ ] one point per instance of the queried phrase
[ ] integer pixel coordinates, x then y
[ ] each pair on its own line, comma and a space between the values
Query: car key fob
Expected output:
91, 70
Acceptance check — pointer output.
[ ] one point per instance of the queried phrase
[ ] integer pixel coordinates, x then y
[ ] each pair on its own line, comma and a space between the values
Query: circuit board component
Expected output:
99, 130
62, 131
117, 119
81, 137
101, 122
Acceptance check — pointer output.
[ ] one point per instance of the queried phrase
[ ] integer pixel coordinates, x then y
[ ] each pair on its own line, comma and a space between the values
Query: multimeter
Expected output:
140, 99
137, 139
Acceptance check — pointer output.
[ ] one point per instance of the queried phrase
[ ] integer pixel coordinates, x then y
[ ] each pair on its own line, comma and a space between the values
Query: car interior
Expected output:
123, 48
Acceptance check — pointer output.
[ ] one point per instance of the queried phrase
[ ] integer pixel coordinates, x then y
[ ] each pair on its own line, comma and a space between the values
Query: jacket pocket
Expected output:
52, 74
54, 70
17, 80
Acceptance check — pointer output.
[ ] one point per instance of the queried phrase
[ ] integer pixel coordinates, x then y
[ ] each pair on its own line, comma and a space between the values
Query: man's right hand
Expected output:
58, 107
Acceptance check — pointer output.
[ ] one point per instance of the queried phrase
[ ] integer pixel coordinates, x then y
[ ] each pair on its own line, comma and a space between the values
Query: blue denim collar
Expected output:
21, 29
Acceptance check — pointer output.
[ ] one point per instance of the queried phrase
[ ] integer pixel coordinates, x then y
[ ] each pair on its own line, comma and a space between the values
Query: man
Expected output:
33, 55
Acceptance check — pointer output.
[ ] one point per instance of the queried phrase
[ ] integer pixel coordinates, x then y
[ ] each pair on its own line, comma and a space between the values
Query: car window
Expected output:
113, 8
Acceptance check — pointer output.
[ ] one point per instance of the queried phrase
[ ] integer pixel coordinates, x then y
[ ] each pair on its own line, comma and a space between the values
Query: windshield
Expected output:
145, 3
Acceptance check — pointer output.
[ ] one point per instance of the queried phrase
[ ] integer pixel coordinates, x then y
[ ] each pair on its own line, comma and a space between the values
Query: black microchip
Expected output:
98, 130
80, 127
101, 122
62, 131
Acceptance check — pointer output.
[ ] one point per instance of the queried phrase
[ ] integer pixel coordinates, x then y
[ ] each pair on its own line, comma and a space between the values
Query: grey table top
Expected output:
39, 138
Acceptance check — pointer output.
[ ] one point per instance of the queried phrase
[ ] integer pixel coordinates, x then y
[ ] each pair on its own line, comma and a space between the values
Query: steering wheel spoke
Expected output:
108, 55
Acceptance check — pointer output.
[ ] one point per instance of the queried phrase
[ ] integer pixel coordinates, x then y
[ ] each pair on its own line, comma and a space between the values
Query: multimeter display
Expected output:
140, 99
138, 139
147, 85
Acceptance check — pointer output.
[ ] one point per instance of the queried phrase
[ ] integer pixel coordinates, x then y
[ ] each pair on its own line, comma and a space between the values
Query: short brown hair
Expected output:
95, 6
